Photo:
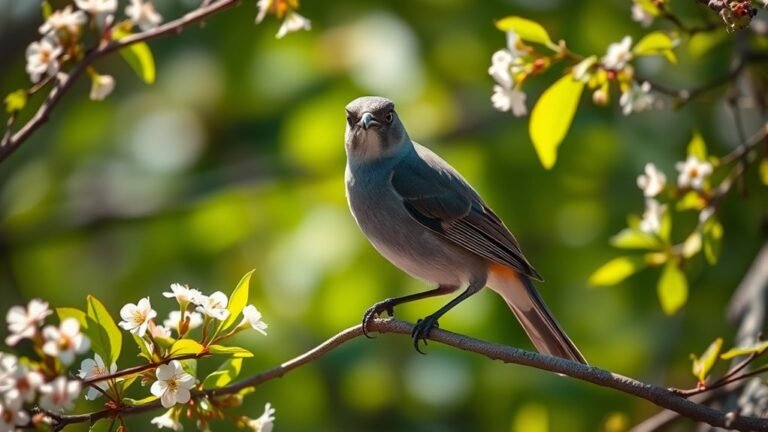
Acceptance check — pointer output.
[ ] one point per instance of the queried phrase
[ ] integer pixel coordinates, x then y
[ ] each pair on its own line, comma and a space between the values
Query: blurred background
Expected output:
234, 160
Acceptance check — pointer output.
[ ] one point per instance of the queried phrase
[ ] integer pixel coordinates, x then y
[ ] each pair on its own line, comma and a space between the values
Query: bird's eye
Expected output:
351, 119
390, 116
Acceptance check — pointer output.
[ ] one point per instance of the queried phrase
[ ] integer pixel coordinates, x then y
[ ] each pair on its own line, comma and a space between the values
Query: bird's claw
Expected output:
385, 306
421, 331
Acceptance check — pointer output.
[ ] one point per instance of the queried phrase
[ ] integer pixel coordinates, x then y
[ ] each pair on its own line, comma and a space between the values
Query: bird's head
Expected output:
374, 130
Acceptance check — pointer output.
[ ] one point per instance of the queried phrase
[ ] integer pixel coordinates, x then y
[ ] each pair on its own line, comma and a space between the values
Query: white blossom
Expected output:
618, 54
706, 213
65, 341
693, 173
143, 14
136, 317
293, 22
652, 182
169, 420
59, 394
173, 384
507, 62
265, 422
174, 318
12, 415
252, 317
640, 15
214, 306
159, 331
97, 7
184, 294
18, 383
101, 87
509, 100
637, 98
263, 6
42, 58
651, 222
23, 323
64, 19
95, 367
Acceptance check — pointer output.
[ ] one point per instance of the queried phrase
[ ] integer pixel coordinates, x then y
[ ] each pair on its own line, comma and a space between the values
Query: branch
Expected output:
660, 396
12, 141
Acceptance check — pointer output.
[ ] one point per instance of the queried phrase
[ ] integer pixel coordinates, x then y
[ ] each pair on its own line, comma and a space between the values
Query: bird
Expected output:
426, 219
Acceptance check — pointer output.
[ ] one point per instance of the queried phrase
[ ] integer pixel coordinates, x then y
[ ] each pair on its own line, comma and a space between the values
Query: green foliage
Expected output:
703, 365
184, 347
114, 344
697, 147
527, 30
138, 56
656, 43
225, 374
552, 117
616, 270
69, 312
16, 101
234, 351
712, 237
237, 301
757, 348
672, 287
634, 238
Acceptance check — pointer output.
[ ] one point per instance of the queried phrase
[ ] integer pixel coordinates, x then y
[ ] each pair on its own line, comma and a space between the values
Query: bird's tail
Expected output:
537, 321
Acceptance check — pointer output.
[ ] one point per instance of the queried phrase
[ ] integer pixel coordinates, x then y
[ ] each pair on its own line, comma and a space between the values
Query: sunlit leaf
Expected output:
616, 270
99, 313
713, 236
702, 365
125, 383
184, 347
46, 9
648, 6
137, 402
630, 238
764, 171
665, 227
100, 342
758, 348
189, 366
101, 425
234, 351
656, 43
137, 55
225, 374
702, 42
237, 301
552, 116
672, 288
692, 244
16, 101
68, 312
527, 30
691, 201
697, 147
143, 348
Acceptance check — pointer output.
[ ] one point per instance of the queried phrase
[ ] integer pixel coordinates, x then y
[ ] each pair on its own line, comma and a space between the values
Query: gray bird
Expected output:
422, 216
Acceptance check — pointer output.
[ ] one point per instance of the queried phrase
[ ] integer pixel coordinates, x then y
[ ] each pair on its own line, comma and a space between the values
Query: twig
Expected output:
14, 140
655, 394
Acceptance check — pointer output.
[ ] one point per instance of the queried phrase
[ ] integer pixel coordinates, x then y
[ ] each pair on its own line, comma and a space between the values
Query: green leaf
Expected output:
691, 201
702, 365
68, 312
46, 9
143, 347
184, 347
527, 30
672, 287
190, 366
101, 425
99, 313
16, 101
164, 342
656, 43
234, 351
649, 7
763, 168
552, 116
630, 238
616, 270
225, 374
702, 42
100, 343
665, 228
138, 56
137, 402
713, 236
692, 244
237, 301
757, 348
124, 383
697, 147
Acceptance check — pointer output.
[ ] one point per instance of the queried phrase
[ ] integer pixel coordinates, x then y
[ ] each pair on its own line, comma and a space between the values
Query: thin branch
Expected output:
13, 141
658, 395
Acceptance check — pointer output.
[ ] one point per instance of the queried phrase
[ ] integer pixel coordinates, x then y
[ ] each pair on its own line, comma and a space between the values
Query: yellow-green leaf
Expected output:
143, 348
764, 171
757, 348
68, 312
552, 116
46, 9
237, 301
702, 365
616, 270
234, 351
16, 101
713, 236
665, 227
138, 402
691, 201
527, 30
649, 6
656, 43
692, 244
184, 347
697, 147
630, 238
225, 374
672, 287
100, 314
702, 42
137, 55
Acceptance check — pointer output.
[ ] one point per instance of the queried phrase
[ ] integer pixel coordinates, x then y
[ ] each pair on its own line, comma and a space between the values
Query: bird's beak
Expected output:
368, 120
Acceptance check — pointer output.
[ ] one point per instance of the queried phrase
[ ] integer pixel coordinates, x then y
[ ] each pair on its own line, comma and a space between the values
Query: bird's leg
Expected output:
388, 305
424, 326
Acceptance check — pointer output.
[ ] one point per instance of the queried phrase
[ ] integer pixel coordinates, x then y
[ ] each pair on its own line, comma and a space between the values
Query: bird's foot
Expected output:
421, 331
375, 311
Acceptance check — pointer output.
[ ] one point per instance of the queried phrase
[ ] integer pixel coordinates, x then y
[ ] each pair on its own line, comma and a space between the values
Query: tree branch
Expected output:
660, 396
12, 141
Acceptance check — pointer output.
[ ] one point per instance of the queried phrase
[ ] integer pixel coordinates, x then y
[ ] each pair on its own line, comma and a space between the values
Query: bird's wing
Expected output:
437, 197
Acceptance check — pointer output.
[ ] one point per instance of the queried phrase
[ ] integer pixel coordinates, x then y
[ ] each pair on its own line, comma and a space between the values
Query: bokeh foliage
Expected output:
233, 159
